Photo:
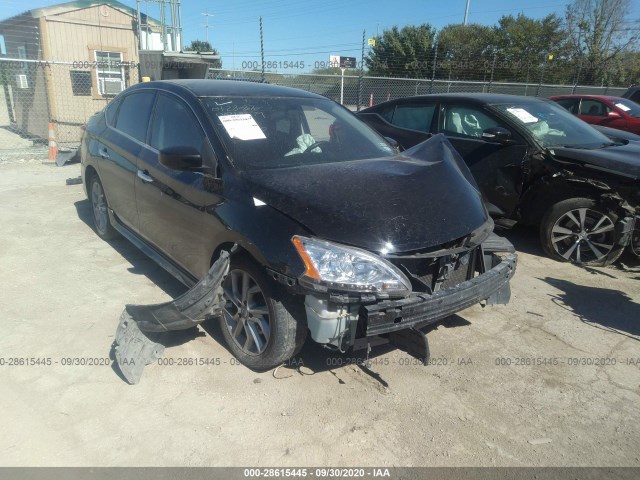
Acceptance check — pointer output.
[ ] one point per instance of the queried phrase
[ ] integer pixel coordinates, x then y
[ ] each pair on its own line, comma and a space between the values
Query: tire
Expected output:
261, 331
100, 208
579, 231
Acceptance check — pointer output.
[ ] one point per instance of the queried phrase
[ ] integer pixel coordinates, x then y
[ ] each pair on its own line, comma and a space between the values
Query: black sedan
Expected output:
329, 230
536, 164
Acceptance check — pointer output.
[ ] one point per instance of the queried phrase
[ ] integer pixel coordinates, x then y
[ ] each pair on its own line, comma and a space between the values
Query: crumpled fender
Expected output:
140, 333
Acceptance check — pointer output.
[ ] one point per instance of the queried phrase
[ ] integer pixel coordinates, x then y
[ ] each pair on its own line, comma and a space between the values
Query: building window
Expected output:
109, 72
80, 83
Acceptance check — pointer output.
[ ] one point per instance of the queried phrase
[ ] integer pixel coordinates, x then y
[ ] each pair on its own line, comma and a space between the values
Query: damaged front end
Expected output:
141, 333
443, 283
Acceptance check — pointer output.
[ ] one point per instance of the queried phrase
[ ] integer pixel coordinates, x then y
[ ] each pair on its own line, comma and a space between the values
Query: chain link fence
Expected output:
39, 96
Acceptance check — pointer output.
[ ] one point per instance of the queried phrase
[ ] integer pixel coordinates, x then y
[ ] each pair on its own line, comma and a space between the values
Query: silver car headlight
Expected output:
348, 268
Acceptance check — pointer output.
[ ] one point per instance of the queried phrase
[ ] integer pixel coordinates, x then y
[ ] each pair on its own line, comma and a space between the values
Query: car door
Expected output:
171, 203
497, 167
597, 112
118, 149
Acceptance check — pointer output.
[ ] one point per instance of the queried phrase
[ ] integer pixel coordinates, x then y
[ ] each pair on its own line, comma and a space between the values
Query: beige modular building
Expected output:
64, 62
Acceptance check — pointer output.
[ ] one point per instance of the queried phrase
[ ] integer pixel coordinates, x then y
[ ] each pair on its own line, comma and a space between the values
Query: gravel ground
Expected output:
552, 379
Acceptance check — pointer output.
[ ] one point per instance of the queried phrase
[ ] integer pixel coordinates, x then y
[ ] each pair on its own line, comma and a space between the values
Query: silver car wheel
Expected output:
583, 235
246, 313
99, 203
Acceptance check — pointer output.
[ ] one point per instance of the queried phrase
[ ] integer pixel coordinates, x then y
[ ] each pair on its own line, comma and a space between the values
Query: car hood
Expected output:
622, 159
422, 198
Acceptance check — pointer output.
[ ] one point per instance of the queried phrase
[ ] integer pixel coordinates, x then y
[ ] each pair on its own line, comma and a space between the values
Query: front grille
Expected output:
428, 274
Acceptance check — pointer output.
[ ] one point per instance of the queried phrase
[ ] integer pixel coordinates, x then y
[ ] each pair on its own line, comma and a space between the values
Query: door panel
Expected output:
497, 168
171, 203
118, 151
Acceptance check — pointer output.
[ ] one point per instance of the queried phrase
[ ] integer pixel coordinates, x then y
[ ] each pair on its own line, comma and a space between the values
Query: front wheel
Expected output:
257, 319
578, 231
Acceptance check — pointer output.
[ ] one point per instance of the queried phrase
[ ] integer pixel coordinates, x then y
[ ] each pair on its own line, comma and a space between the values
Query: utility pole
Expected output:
466, 13
206, 26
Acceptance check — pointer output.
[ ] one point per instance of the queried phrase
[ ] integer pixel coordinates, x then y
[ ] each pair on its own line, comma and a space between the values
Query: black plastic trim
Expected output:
422, 309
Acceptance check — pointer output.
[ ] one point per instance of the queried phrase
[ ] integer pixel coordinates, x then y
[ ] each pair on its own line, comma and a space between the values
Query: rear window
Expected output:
571, 104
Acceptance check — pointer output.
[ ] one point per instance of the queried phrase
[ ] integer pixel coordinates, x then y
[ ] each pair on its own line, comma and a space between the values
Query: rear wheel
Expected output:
258, 321
100, 207
578, 231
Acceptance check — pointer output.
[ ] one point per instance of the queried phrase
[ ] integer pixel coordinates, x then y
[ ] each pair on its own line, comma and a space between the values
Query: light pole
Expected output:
466, 13
206, 26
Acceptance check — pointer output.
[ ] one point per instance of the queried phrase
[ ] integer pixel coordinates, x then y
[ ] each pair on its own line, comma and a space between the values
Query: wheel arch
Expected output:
548, 191
89, 172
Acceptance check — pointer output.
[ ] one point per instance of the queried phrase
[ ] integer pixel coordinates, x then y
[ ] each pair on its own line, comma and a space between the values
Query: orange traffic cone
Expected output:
53, 146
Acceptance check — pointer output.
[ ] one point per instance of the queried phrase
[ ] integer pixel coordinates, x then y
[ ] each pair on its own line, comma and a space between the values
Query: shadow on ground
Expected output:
140, 263
604, 308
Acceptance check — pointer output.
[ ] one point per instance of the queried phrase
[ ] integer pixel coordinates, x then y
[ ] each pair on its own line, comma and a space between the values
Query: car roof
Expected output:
215, 88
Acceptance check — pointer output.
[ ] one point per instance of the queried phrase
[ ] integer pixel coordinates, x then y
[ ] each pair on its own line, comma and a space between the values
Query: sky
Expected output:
302, 31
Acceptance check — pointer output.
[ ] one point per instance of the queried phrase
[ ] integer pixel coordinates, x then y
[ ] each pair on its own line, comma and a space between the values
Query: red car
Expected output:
612, 112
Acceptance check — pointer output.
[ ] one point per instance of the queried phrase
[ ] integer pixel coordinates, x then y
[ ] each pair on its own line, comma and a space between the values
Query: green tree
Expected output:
600, 32
203, 46
524, 44
465, 51
405, 52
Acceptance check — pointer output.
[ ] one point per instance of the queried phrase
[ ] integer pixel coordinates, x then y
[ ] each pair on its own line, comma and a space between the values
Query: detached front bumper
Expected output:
421, 309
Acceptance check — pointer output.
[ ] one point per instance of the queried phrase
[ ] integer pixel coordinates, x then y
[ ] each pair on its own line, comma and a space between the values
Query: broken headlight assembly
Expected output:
330, 265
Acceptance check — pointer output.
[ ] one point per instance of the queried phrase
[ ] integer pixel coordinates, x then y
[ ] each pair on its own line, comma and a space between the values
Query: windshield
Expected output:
274, 132
627, 106
553, 126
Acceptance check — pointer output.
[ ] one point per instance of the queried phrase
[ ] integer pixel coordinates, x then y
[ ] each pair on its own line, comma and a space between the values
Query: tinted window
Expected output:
594, 108
387, 113
112, 110
134, 114
174, 125
570, 104
466, 121
415, 117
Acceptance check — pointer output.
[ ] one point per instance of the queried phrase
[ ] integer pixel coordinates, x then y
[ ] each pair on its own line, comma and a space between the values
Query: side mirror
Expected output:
181, 158
612, 115
497, 135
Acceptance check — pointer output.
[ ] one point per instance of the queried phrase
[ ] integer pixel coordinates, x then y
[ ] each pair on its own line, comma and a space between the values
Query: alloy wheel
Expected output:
99, 204
246, 313
583, 235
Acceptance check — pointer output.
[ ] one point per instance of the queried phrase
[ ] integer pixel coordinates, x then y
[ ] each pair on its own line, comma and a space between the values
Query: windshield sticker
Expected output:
622, 107
522, 115
242, 127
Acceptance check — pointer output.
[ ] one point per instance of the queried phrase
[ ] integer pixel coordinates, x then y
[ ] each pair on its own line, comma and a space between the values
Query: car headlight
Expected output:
348, 268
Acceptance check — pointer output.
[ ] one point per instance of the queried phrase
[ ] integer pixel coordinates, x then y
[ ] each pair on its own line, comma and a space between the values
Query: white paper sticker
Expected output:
622, 107
242, 127
522, 115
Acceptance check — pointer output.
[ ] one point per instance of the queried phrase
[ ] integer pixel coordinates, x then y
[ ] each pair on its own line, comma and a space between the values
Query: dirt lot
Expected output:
63, 290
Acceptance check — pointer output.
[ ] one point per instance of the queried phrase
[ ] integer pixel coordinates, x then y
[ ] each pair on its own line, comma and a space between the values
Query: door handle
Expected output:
103, 153
144, 176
